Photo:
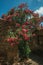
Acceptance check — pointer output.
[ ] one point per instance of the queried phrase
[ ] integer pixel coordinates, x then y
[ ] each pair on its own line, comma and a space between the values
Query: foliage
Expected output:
18, 27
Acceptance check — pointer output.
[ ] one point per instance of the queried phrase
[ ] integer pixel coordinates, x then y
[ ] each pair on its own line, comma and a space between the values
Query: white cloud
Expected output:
39, 11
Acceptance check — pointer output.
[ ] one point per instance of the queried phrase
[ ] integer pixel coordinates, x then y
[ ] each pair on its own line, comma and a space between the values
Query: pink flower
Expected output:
24, 30
10, 40
26, 23
22, 5
26, 37
12, 44
23, 26
17, 25
28, 11
17, 43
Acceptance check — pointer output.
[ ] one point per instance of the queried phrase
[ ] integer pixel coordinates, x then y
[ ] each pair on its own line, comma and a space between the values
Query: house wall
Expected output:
38, 40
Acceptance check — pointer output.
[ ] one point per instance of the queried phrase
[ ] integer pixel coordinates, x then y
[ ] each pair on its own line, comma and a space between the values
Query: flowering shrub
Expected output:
19, 27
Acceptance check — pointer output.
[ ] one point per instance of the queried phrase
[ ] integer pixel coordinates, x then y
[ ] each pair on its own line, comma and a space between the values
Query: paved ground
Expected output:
36, 59
33, 60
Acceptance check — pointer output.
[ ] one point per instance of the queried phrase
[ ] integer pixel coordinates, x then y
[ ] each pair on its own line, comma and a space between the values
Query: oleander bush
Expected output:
17, 28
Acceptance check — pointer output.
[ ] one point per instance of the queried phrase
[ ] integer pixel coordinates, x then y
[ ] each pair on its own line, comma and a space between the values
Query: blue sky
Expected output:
6, 5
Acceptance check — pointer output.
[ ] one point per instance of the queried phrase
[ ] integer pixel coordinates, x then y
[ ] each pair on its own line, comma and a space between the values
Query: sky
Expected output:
35, 5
